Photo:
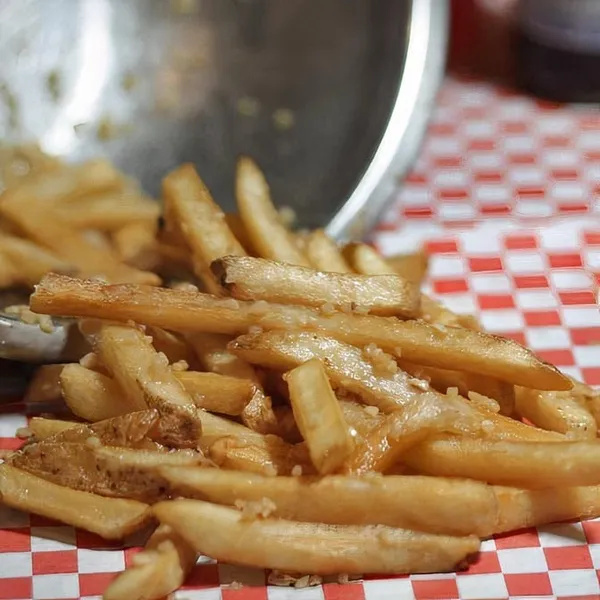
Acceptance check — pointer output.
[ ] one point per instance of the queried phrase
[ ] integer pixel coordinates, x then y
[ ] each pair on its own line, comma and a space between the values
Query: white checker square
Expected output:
560, 535
574, 372
526, 175
533, 209
479, 587
53, 587
486, 160
591, 258
535, 299
476, 243
496, 321
490, 283
478, 129
595, 554
52, 539
567, 190
15, 564
451, 178
524, 262
444, 146
587, 356
560, 124
518, 143
488, 545
9, 423
560, 239
575, 582
415, 195
547, 338
12, 519
455, 212
571, 279
388, 589
581, 316
560, 158
462, 304
515, 108
244, 575
100, 561
285, 593
522, 560
446, 266
588, 140
490, 194
207, 594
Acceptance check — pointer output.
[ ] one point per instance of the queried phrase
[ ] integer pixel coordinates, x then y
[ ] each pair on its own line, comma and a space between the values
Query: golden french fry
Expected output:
324, 254
319, 416
413, 267
433, 504
23, 162
235, 223
249, 278
173, 346
310, 547
363, 419
258, 414
215, 428
146, 379
41, 428
157, 571
44, 386
416, 341
201, 221
261, 220
556, 411
9, 274
135, 244
526, 464
110, 518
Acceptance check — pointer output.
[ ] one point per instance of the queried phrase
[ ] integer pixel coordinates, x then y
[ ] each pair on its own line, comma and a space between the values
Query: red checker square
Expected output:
475, 112
45, 563
387, 226
556, 141
460, 224
203, 576
565, 260
564, 174
585, 336
573, 208
486, 563
514, 127
522, 159
525, 538
16, 587
536, 191
481, 145
516, 336
592, 155
569, 557
453, 194
450, 286
586, 597
245, 593
592, 238
495, 301
447, 162
420, 178
528, 584
128, 555
577, 298
562, 358
485, 263
442, 129
542, 318
349, 591
521, 242
488, 176
10, 443
418, 212
441, 246
547, 105
94, 584
589, 122
592, 531
591, 375
496, 209
15, 540
435, 588
531, 281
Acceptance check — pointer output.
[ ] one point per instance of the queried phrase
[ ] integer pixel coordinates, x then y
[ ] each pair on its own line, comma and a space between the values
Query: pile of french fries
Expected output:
287, 404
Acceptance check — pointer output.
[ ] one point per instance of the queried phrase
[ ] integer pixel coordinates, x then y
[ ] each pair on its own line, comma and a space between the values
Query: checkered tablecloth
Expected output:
504, 197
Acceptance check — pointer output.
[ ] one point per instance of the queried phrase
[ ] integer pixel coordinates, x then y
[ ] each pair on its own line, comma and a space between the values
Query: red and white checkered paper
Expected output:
505, 199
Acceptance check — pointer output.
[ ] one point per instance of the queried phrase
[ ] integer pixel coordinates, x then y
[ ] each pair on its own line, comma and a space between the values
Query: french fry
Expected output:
324, 254
261, 220
319, 417
110, 518
191, 311
173, 346
9, 275
248, 278
258, 414
135, 244
202, 222
215, 428
413, 267
361, 418
157, 571
41, 428
146, 379
310, 547
24, 162
44, 386
529, 464
556, 411
432, 504
237, 227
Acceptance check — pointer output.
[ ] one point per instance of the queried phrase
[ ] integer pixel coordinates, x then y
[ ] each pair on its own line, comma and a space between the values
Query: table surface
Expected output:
505, 199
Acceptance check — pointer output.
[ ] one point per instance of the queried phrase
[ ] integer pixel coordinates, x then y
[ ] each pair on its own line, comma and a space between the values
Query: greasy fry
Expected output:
365, 259
413, 267
258, 414
323, 253
41, 428
44, 386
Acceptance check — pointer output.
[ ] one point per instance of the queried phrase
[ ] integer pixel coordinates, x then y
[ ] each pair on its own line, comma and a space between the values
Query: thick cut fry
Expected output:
146, 379
556, 411
110, 518
310, 547
433, 504
157, 571
237, 227
258, 414
201, 221
191, 311
44, 386
41, 428
324, 254
135, 244
413, 267
529, 465
248, 278
319, 417
261, 220
215, 428
173, 346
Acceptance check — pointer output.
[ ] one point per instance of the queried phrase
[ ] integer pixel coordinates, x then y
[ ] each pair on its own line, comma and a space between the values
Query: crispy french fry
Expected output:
110, 518
433, 504
41, 428
316, 548
248, 278
262, 222
319, 416
237, 227
191, 311
44, 386
215, 428
157, 571
146, 379
413, 267
258, 414
363, 419
523, 464
324, 254
173, 346
556, 411
202, 222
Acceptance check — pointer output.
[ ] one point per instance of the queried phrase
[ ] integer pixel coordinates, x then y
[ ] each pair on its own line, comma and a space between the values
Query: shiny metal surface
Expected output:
331, 97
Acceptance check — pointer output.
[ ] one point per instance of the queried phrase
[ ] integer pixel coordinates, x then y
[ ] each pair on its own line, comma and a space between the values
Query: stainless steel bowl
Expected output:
331, 98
